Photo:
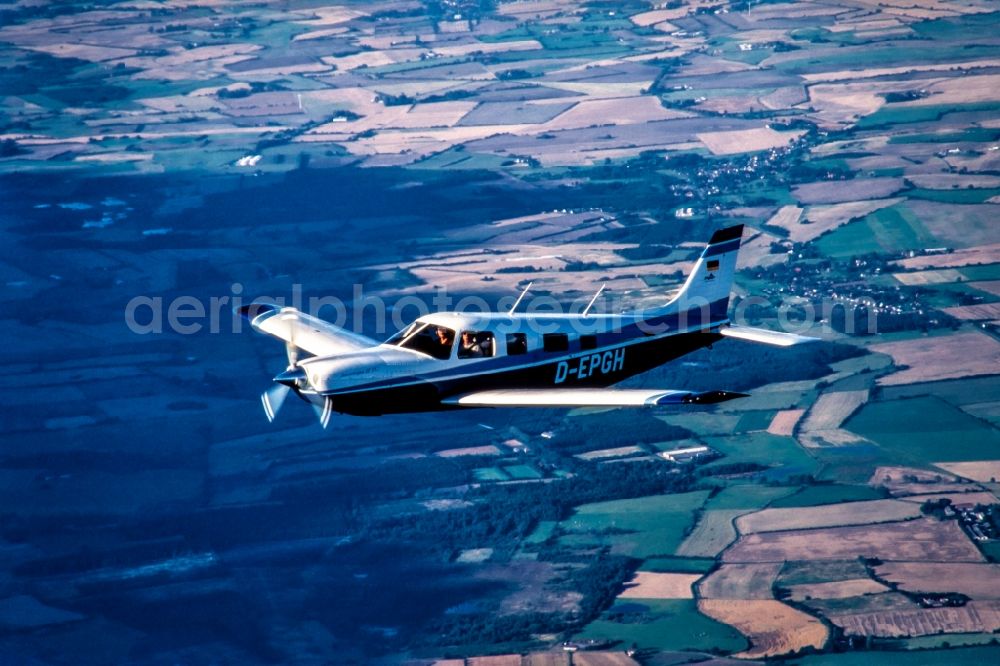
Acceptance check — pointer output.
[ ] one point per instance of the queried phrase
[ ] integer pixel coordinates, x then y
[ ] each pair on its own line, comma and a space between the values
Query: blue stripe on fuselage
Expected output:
657, 326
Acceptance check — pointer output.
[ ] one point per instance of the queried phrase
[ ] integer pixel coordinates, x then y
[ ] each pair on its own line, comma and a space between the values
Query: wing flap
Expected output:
765, 336
586, 397
305, 331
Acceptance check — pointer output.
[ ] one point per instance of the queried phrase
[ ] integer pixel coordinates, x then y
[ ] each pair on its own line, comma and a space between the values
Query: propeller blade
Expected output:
273, 398
324, 409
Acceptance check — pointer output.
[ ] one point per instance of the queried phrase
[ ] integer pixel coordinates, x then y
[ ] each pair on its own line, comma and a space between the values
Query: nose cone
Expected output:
291, 377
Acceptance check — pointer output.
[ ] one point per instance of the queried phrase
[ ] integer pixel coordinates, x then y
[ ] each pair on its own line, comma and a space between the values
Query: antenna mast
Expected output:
519, 298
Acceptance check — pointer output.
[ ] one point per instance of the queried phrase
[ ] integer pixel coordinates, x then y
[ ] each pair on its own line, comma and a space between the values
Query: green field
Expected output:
925, 430
522, 472
894, 114
754, 420
805, 573
490, 474
946, 640
887, 230
641, 527
968, 195
782, 453
542, 532
666, 624
827, 494
746, 496
678, 564
970, 655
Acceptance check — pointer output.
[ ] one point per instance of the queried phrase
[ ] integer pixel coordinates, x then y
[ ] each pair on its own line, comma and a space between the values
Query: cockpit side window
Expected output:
429, 339
475, 344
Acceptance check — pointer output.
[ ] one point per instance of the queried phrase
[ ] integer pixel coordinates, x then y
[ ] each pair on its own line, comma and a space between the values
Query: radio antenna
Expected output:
519, 298
593, 300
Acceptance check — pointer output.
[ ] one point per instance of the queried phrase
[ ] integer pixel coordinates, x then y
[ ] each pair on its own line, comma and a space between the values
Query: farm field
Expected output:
831, 515
642, 527
772, 627
916, 540
937, 432
977, 581
667, 625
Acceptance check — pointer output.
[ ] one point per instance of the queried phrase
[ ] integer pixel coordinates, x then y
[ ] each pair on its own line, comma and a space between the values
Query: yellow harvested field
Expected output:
602, 90
740, 581
613, 111
603, 659
772, 627
989, 286
487, 47
787, 218
845, 103
943, 276
975, 616
610, 453
977, 581
470, 451
820, 219
332, 15
901, 481
960, 90
924, 539
756, 250
543, 659
981, 312
841, 589
877, 72
959, 355
957, 499
784, 422
983, 254
650, 585
83, 51
495, 660
979, 470
650, 18
832, 409
744, 141
830, 515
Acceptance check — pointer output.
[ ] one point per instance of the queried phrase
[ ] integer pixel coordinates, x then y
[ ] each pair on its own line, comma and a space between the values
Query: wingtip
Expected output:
712, 397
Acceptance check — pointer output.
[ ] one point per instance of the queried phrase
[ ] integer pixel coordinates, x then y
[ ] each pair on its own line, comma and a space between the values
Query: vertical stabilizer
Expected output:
711, 280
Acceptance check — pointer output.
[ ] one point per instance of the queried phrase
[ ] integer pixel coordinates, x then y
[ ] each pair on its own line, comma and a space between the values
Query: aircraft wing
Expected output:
304, 331
588, 397
765, 336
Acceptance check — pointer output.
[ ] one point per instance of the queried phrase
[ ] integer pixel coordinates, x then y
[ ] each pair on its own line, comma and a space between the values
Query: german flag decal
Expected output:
713, 265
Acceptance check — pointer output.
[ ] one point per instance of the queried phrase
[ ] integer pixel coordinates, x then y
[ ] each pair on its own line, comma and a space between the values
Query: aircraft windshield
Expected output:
427, 339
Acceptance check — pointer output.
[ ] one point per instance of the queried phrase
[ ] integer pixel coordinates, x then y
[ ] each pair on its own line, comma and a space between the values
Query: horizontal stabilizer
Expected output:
765, 336
586, 397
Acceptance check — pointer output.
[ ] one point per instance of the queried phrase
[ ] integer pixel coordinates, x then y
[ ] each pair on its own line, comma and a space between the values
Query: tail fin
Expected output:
711, 279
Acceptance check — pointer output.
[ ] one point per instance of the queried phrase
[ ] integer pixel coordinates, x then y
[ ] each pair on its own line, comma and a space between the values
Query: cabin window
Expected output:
475, 344
555, 342
517, 343
588, 342
435, 341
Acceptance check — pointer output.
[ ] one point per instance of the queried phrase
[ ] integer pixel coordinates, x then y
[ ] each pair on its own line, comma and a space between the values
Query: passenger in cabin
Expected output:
470, 347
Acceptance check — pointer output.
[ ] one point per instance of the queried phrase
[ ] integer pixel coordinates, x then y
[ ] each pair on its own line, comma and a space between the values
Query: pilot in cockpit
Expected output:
444, 337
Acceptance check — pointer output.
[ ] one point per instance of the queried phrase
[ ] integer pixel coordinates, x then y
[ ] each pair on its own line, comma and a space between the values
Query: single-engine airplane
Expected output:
458, 360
